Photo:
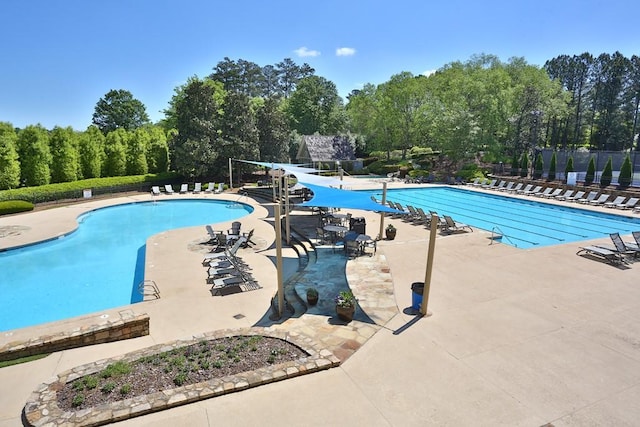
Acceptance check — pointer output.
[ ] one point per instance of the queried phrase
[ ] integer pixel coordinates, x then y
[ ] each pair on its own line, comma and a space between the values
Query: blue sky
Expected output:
60, 57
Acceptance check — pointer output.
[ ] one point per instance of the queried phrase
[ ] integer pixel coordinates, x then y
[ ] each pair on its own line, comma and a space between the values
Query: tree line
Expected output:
244, 110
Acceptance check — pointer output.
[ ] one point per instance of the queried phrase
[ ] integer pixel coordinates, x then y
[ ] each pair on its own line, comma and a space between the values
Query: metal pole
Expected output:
286, 209
427, 275
278, 227
384, 200
273, 182
230, 174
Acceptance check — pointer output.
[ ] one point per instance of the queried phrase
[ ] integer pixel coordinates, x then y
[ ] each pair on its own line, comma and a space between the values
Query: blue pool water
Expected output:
524, 222
99, 265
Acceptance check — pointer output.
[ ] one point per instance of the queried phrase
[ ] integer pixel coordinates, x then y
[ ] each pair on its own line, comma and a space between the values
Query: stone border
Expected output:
125, 326
42, 408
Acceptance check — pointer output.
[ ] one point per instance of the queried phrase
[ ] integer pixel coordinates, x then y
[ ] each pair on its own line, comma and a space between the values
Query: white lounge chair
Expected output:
617, 201
600, 200
155, 190
564, 195
210, 187
545, 193
220, 188
591, 196
555, 193
197, 187
629, 204
533, 192
575, 197
169, 189
184, 188
451, 226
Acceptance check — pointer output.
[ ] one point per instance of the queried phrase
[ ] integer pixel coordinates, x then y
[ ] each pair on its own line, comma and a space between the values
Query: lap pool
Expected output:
524, 222
99, 265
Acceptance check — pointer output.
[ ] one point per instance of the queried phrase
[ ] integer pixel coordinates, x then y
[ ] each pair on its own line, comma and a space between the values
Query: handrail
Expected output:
498, 234
149, 288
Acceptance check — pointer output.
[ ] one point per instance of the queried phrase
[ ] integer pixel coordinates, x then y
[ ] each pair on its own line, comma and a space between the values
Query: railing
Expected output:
148, 288
497, 235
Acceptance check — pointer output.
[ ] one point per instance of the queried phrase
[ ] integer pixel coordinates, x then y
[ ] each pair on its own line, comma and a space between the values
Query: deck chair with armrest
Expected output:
600, 200
451, 226
612, 257
210, 187
533, 192
155, 190
508, 187
564, 195
527, 188
229, 253
545, 193
169, 189
489, 184
555, 193
621, 247
515, 189
220, 188
500, 186
184, 188
197, 187
617, 201
591, 196
629, 204
636, 237
578, 196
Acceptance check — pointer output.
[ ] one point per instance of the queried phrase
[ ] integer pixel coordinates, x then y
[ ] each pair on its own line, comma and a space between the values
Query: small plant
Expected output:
312, 293
390, 227
115, 369
125, 389
180, 379
78, 400
108, 387
345, 299
91, 382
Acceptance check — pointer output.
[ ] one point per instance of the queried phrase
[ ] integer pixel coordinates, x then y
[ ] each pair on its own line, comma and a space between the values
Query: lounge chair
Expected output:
197, 187
508, 187
575, 197
210, 187
489, 184
229, 253
600, 200
619, 247
424, 217
617, 201
636, 237
169, 189
516, 189
234, 230
525, 189
413, 216
553, 194
220, 188
220, 284
545, 193
533, 192
629, 204
607, 255
564, 195
184, 188
478, 182
155, 190
451, 226
591, 196
500, 186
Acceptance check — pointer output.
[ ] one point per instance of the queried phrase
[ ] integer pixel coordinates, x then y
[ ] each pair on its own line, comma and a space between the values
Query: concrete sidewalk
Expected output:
517, 337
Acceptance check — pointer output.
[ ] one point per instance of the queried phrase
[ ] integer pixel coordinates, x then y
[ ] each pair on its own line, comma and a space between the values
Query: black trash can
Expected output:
358, 225
417, 290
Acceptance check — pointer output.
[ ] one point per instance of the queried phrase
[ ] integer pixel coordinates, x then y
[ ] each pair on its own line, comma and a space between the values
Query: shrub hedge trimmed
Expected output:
15, 206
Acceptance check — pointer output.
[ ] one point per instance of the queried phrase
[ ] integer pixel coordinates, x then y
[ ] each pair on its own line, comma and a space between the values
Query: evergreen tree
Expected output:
624, 180
607, 173
514, 164
552, 167
157, 150
568, 168
9, 163
539, 167
91, 150
137, 146
64, 153
115, 150
524, 165
35, 157
591, 172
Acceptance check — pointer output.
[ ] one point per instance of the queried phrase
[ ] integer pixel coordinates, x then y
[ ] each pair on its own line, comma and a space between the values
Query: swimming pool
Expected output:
99, 265
524, 223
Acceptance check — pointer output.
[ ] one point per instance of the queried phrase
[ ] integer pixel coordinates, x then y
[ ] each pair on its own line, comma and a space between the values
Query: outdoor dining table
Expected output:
363, 240
335, 230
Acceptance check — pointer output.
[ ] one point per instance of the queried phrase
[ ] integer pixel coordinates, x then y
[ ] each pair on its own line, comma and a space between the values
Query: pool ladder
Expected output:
148, 288
497, 234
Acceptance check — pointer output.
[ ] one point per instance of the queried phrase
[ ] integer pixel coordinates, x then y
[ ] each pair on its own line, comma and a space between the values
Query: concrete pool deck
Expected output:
517, 337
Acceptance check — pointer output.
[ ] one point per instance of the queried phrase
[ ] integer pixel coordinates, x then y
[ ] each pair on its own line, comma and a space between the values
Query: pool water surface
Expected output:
99, 265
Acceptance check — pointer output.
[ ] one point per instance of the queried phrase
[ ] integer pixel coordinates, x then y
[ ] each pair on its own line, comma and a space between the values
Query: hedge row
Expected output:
14, 206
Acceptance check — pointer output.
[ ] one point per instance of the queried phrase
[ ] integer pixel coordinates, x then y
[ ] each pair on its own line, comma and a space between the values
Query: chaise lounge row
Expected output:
617, 254
184, 189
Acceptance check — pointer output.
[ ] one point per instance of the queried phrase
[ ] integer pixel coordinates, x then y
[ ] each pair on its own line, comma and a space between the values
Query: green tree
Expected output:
9, 163
591, 172
524, 165
289, 74
568, 167
137, 146
91, 148
115, 149
515, 164
626, 173
538, 168
607, 173
157, 150
552, 167
35, 157
119, 109
316, 107
239, 134
273, 132
65, 164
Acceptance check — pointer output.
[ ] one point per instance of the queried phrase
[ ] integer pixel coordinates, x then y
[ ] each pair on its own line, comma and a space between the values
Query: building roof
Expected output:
326, 148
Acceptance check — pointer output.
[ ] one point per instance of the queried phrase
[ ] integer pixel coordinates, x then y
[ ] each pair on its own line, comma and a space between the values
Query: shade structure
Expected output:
335, 198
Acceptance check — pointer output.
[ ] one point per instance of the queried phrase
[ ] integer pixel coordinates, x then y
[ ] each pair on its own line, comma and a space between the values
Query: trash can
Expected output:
358, 225
417, 289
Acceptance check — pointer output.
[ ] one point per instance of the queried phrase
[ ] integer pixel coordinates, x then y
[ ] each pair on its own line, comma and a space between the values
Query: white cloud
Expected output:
304, 52
345, 51
428, 72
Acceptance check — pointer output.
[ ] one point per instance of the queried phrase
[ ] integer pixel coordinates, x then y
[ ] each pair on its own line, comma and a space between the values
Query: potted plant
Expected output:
312, 296
390, 232
345, 305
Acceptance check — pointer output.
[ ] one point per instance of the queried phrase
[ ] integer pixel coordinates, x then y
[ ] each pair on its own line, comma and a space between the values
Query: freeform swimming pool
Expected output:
524, 223
99, 265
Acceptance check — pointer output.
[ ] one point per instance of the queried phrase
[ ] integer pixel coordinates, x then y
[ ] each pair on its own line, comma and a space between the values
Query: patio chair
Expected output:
617, 201
591, 196
489, 184
553, 194
210, 187
235, 229
169, 189
197, 187
508, 187
474, 182
629, 204
155, 190
451, 226
424, 217
527, 188
607, 255
413, 216
575, 197
545, 193
184, 188
228, 253
516, 189
500, 186
619, 247
564, 195
220, 188
600, 200
533, 192
636, 237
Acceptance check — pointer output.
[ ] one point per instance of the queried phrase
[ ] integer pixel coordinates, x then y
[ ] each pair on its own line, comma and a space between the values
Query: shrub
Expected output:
539, 167
568, 168
470, 171
15, 206
625, 173
514, 164
552, 167
607, 173
524, 165
125, 389
591, 172
78, 400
